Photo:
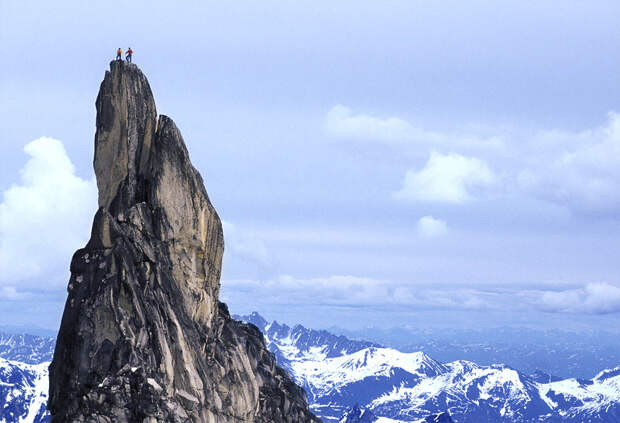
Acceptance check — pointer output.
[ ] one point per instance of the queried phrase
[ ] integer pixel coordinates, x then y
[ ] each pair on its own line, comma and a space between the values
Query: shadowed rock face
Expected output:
143, 336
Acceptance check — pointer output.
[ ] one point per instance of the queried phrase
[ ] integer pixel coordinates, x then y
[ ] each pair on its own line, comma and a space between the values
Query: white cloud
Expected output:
580, 170
9, 293
447, 178
594, 298
44, 218
348, 290
246, 246
576, 169
429, 227
341, 122
286, 289
356, 291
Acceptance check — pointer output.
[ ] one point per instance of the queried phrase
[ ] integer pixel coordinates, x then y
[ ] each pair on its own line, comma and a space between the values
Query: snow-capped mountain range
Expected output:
562, 353
339, 374
23, 392
361, 382
24, 360
26, 348
363, 415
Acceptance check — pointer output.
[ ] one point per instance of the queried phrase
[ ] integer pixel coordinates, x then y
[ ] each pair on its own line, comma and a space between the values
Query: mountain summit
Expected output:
143, 336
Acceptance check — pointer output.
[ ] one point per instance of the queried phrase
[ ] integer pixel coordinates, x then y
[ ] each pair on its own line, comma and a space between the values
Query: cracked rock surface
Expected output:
143, 336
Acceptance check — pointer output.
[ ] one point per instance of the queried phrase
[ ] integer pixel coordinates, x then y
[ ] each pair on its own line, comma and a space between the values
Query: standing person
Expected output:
119, 53
129, 53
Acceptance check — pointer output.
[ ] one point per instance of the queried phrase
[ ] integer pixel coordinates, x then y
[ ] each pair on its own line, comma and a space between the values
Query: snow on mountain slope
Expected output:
338, 374
574, 397
297, 342
388, 420
23, 392
469, 393
364, 415
472, 393
325, 374
26, 348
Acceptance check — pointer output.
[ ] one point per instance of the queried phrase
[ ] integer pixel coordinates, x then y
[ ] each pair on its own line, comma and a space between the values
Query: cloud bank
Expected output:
355, 292
43, 219
349, 291
594, 298
579, 170
342, 122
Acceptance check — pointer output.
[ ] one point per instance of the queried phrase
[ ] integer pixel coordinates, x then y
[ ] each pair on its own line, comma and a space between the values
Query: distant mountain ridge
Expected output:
280, 339
26, 348
360, 415
24, 361
384, 384
564, 354
338, 374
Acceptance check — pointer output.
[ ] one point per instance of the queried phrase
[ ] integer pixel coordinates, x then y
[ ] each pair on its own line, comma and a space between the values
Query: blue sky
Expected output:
376, 163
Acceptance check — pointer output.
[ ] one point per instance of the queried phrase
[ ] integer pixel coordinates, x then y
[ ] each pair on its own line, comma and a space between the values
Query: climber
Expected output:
128, 55
119, 53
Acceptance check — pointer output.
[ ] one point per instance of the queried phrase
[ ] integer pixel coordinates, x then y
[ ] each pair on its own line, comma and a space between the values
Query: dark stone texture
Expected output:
143, 336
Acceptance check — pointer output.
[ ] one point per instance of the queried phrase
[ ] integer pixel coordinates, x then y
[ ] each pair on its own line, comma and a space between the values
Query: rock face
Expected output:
143, 336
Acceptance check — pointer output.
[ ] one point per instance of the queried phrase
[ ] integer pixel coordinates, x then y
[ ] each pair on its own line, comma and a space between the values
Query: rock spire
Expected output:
143, 336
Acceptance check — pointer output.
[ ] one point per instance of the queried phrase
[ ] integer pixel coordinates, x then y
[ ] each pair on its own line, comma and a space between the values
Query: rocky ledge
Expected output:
143, 336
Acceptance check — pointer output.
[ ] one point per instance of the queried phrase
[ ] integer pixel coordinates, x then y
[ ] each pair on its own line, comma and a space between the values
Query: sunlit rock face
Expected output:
143, 336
